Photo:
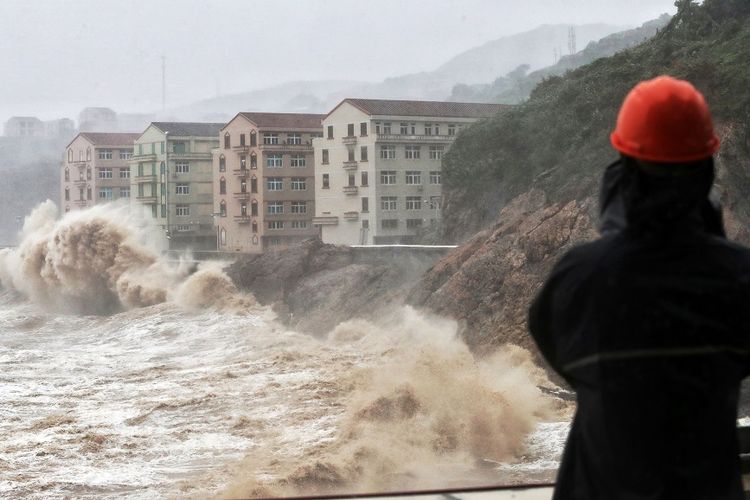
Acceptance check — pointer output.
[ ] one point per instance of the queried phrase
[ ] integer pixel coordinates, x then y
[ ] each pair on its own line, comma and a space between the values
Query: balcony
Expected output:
80, 182
243, 196
143, 157
185, 155
331, 220
244, 148
80, 203
438, 139
241, 172
79, 164
243, 219
147, 199
145, 179
350, 190
285, 146
351, 215
349, 140
350, 165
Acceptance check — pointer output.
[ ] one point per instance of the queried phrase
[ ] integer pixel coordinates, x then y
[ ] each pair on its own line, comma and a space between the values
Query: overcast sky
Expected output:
57, 57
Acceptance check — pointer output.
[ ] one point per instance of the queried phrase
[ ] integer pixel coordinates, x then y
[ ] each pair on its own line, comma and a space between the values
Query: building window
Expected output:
222, 164
182, 167
389, 223
182, 210
365, 204
299, 224
105, 193
182, 227
428, 129
294, 138
352, 182
387, 128
363, 129
365, 224
80, 155
451, 129
377, 127
274, 161
80, 194
223, 208
222, 186
126, 154
253, 139
227, 141
105, 173
67, 194
388, 203
223, 237
437, 129
254, 208
88, 154
413, 177
414, 203
124, 173
435, 177
67, 175
255, 230
275, 207
436, 202
88, 193
404, 129
253, 161
365, 180
125, 192
325, 184
299, 184
88, 173
275, 184
388, 177
436, 152
388, 152
412, 152
413, 223
350, 155
350, 130
243, 209
254, 184
270, 138
182, 188
330, 131
299, 207
363, 153
325, 157
242, 139
298, 161
70, 156
243, 162
275, 224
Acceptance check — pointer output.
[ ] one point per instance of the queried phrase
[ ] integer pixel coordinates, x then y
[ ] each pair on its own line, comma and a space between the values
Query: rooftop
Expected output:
186, 129
441, 109
290, 121
110, 138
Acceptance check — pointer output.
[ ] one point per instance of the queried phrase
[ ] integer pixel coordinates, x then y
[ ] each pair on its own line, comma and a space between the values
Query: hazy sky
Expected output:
57, 57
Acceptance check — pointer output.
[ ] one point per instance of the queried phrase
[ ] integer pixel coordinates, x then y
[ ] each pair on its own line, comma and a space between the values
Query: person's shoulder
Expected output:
589, 254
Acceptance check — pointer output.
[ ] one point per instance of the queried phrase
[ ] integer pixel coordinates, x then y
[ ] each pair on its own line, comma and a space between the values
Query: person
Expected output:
650, 323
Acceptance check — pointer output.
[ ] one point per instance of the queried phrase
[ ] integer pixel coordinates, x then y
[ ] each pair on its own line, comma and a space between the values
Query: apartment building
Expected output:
96, 169
171, 176
264, 181
378, 167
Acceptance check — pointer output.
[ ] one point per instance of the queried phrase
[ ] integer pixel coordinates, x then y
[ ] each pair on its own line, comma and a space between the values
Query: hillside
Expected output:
516, 86
534, 47
527, 180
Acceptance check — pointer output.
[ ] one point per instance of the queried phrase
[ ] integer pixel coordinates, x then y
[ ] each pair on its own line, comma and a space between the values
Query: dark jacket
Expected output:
650, 324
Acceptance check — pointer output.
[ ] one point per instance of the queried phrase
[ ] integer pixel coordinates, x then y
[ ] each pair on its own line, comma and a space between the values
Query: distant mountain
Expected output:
480, 64
516, 85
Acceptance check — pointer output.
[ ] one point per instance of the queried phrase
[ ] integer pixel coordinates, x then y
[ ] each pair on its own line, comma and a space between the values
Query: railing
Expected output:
326, 221
242, 172
350, 165
242, 219
351, 215
147, 199
415, 138
243, 196
284, 146
349, 140
145, 179
350, 190
143, 157
185, 155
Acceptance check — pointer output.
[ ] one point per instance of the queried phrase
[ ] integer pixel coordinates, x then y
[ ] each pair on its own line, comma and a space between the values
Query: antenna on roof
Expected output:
163, 83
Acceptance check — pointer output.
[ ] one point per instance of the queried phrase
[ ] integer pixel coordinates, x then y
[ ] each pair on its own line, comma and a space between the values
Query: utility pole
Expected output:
572, 40
163, 83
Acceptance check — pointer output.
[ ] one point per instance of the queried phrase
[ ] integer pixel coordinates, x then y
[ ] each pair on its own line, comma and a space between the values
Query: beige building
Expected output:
24, 126
96, 169
378, 167
264, 181
171, 175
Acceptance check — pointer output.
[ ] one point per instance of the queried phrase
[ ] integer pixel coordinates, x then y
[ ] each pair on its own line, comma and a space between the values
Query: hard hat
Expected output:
665, 120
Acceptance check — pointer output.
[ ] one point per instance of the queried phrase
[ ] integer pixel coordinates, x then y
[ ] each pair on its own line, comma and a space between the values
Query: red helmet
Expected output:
665, 120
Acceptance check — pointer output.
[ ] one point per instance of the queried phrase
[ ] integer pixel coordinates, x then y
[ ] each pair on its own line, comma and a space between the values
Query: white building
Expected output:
378, 166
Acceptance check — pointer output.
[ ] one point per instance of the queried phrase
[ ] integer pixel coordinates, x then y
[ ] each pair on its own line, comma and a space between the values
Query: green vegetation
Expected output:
558, 140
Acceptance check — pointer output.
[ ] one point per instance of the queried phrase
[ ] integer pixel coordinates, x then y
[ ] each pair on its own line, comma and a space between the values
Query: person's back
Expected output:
651, 326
